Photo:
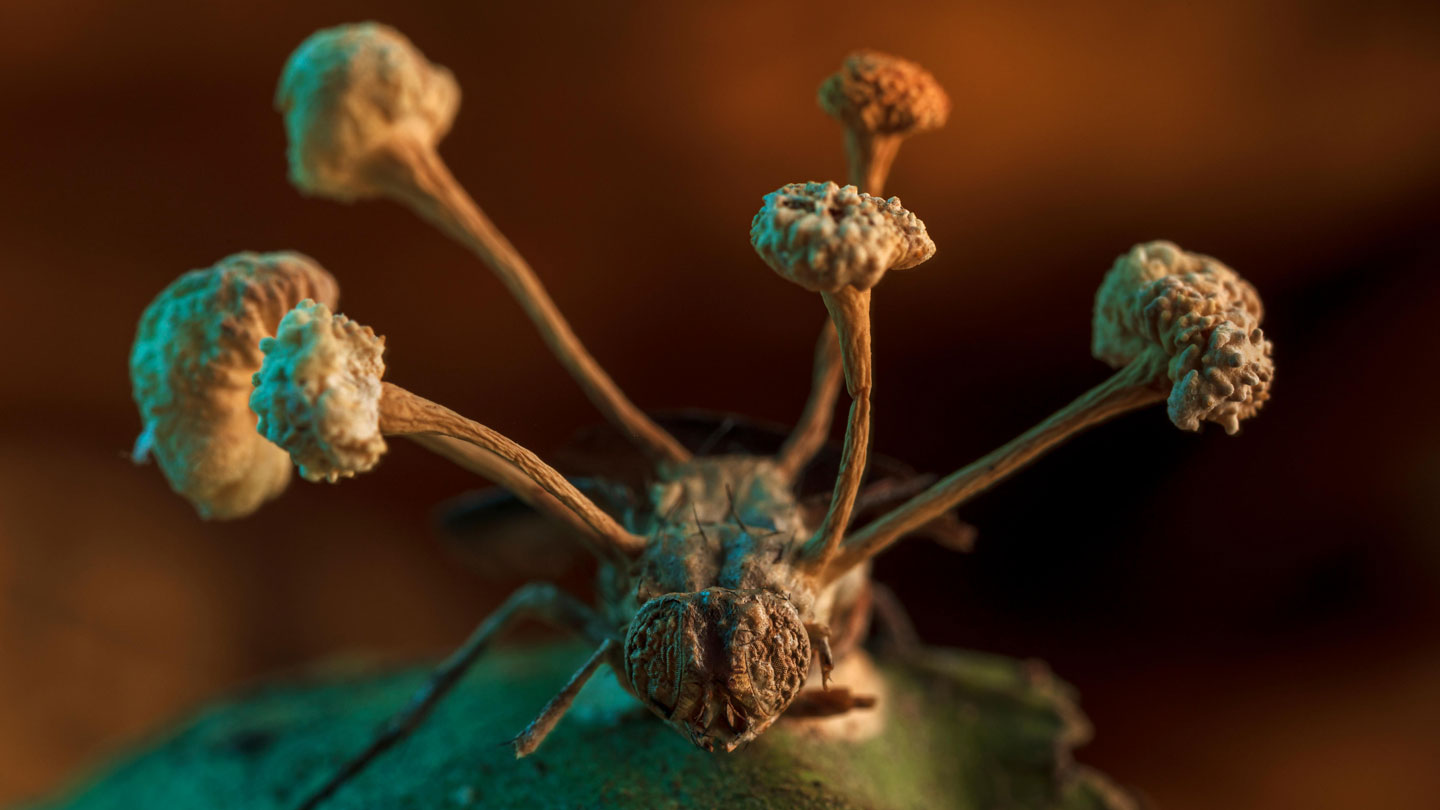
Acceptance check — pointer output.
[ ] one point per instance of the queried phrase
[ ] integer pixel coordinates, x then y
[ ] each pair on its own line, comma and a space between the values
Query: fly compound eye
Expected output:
719, 667
654, 654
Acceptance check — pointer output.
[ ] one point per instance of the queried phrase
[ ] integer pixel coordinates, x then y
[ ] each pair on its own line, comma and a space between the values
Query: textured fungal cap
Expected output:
1206, 320
719, 665
824, 237
882, 94
195, 350
346, 93
318, 392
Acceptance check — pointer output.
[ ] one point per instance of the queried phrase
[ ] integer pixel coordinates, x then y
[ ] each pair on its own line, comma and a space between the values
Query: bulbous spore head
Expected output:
823, 236
1203, 317
883, 94
195, 350
719, 665
317, 393
347, 93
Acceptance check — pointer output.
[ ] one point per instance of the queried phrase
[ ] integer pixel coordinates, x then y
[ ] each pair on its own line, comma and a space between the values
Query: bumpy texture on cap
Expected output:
349, 90
318, 392
196, 348
1206, 319
823, 236
883, 94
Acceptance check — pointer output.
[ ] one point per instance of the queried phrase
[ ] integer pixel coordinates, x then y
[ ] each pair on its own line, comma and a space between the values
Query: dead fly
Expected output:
719, 593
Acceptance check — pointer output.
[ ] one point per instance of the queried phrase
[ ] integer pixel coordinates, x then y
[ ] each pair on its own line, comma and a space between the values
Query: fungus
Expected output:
825, 237
320, 397
348, 94
318, 392
1206, 320
364, 112
1182, 328
812, 431
196, 347
840, 242
881, 100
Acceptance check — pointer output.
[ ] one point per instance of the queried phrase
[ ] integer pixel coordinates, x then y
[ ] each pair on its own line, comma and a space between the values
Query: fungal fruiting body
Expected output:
881, 100
348, 95
824, 237
195, 350
1203, 316
884, 94
364, 112
317, 393
720, 601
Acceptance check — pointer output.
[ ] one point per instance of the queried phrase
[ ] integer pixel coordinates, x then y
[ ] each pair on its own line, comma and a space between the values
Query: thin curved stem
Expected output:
813, 428
418, 177
870, 157
502, 473
405, 414
1128, 389
850, 311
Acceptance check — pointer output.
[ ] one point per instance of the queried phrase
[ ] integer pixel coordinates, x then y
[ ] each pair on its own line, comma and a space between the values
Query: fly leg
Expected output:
537, 600
534, 734
827, 702
820, 642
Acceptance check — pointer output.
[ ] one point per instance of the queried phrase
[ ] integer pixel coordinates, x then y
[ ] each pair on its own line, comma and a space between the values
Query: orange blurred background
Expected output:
1251, 621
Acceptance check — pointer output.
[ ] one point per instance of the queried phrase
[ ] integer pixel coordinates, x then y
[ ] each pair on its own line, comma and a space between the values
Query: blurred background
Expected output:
1251, 621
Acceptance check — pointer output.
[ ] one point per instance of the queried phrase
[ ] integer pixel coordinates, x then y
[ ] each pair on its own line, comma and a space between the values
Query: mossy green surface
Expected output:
965, 731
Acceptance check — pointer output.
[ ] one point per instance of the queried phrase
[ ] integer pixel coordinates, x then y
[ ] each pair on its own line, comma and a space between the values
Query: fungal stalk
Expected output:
840, 242
365, 111
881, 100
1182, 328
405, 414
320, 397
813, 430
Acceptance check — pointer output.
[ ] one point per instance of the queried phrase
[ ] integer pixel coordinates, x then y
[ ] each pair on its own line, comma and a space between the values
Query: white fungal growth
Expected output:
318, 392
348, 93
824, 237
197, 345
1203, 316
882, 94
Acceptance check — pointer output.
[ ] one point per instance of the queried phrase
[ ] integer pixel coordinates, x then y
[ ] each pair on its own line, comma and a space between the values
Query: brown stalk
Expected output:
405, 414
813, 429
416, 175
870, 155
502, 473
850, 310
1128, 389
